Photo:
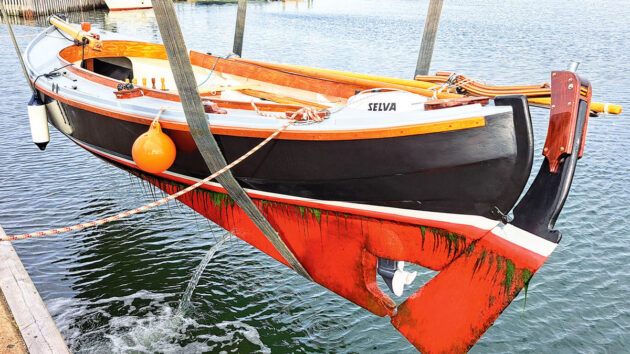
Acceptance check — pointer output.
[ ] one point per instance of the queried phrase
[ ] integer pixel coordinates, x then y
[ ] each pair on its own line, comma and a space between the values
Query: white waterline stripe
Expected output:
525, 239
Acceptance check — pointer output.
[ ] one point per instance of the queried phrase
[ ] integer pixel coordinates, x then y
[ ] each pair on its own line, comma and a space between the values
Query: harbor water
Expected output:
117, 287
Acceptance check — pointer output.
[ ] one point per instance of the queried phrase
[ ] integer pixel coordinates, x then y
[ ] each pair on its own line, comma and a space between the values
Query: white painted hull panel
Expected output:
128, 4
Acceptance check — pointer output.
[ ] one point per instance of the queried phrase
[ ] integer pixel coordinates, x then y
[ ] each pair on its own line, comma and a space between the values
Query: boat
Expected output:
373, 147
360, 175
120, 5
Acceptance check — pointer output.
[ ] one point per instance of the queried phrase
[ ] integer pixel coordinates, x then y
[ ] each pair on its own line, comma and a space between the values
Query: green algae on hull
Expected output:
509, 274
526, 276
220, 200
454, 240
423, 231
317, 213
512, 276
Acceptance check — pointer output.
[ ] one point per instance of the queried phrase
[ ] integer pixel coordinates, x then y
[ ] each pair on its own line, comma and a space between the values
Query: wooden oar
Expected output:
402, 83
367, 81
223, 88
77, 33
595, 106
282, 99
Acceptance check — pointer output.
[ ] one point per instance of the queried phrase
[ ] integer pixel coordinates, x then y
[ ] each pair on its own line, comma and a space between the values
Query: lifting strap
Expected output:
5, 17
196, 118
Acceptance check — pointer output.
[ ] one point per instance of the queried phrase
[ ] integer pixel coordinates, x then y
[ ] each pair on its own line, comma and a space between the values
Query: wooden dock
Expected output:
24, 310
33, 8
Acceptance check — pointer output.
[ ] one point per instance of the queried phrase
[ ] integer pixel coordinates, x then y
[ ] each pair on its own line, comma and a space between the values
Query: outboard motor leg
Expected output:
394, 275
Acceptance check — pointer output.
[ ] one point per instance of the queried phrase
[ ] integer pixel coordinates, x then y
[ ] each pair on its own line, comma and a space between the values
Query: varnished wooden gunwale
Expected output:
155, 51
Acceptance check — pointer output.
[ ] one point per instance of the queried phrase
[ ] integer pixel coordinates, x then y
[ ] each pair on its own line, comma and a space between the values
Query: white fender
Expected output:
38, 122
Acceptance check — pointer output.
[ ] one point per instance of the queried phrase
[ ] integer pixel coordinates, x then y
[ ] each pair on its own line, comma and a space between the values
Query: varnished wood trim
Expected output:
116, 48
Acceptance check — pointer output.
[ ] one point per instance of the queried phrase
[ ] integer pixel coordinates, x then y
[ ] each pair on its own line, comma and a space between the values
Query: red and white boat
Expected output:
119, 5
389, 175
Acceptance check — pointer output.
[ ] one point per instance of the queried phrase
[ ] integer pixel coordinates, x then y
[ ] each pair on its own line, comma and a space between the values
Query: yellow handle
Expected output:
595, 106
76, 33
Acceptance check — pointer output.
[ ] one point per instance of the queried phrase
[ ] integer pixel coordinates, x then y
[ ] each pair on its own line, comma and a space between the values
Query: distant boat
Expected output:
119, 5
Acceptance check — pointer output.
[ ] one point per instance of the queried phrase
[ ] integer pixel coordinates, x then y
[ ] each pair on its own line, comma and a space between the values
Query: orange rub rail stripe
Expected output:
355, 134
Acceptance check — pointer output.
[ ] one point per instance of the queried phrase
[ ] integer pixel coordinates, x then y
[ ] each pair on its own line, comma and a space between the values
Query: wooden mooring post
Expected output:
31, 8
240, 27
428, 37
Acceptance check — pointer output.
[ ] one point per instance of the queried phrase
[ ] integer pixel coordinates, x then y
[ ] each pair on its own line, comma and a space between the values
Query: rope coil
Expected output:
304, 114
307, 113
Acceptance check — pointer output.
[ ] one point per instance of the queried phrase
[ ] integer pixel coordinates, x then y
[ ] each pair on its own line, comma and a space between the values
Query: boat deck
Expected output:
42, 57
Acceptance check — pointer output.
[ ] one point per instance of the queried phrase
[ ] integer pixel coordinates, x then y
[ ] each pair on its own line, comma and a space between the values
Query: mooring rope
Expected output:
3, 11
455, 81
213, 66
307, 112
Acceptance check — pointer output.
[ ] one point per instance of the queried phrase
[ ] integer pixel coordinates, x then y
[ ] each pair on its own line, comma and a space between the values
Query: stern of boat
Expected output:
453, 310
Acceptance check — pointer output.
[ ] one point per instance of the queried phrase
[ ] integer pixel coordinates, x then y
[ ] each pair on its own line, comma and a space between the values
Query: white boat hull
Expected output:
116, 5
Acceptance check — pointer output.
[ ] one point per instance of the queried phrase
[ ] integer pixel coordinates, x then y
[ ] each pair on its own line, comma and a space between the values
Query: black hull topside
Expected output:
480, 171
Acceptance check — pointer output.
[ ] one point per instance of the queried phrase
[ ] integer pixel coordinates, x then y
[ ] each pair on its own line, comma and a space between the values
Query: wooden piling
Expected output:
428, 37
240, 27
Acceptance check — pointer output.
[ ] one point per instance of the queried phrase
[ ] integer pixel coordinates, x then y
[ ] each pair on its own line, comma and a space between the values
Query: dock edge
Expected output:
39, 331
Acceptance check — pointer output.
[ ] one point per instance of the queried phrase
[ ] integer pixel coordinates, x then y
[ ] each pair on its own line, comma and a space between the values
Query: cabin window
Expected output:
118, 68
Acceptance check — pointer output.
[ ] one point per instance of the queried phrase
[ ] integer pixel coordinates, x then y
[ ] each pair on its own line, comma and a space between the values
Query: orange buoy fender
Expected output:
153, 151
